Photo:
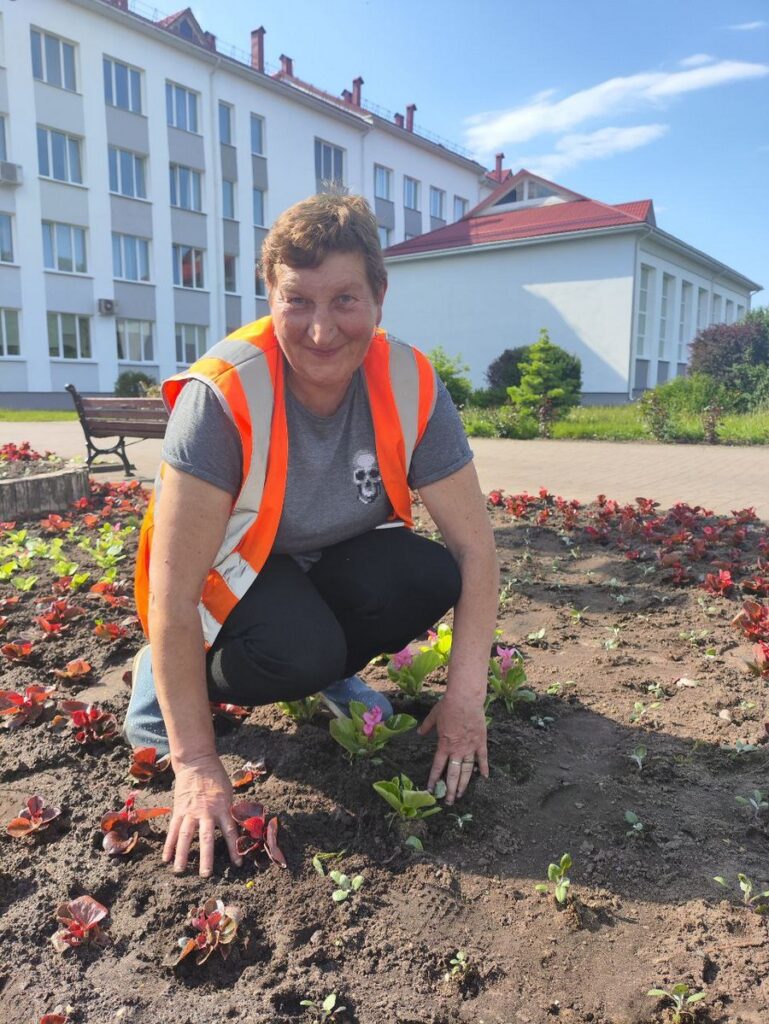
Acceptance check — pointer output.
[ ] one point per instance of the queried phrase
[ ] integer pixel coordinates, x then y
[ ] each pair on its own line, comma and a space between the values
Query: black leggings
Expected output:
295, 633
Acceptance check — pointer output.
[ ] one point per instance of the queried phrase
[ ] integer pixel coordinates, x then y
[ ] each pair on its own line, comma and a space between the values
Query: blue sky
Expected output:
660, 99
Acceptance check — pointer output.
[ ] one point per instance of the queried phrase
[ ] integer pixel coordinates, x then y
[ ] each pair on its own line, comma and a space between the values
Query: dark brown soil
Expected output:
643, 912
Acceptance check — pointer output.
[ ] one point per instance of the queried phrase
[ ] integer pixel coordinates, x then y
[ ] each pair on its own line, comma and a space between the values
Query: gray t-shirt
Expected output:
333, 489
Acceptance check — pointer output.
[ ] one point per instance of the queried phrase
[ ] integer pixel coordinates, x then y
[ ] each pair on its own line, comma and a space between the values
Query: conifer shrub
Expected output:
548, 387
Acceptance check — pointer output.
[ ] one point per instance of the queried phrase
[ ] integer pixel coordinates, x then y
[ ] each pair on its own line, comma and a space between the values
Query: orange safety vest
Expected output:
246, 370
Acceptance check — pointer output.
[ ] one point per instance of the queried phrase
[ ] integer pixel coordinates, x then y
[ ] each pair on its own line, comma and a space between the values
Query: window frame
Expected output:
230, 256
111, 85
320, 146
142, 245
388, 232
253, 119
172, 107
263, 193
3, 140
57, 230
4, 353
194, 187
142, 340
667, 297
645, 295
229, 109
138, 170
465, 207
440, 194
388, 177
79, 320
231, 205
179, 330
684, 318
69, 141
9, 217
258, 279
178, 249
408, 180
43, 58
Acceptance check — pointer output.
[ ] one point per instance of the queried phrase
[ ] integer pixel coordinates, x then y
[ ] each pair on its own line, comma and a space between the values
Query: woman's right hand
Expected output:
202, 801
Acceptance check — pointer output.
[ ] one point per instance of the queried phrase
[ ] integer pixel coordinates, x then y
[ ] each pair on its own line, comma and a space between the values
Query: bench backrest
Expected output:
105, 417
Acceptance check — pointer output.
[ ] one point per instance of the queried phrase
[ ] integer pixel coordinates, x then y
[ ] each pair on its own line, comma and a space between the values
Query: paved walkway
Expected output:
721, 478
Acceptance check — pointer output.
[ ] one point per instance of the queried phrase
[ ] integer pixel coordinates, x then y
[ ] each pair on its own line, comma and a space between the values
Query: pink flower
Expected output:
402, 659
507, 655
371, 720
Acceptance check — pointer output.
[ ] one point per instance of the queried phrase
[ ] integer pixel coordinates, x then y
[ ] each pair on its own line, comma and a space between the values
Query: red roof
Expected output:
477, 228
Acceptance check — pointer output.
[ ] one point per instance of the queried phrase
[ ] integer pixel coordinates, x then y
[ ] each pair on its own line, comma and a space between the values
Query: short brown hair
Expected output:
307, 232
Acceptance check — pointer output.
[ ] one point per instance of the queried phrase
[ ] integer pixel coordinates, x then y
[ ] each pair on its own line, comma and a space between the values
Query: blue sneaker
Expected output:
144, 725
337, 697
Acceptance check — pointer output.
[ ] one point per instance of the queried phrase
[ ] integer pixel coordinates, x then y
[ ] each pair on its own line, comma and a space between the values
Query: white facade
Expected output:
159, 320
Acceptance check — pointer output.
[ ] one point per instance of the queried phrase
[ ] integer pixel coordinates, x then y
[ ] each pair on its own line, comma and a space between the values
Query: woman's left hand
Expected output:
461, 724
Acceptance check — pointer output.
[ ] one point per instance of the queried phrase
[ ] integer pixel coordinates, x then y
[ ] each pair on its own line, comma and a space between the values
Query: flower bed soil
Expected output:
643, 912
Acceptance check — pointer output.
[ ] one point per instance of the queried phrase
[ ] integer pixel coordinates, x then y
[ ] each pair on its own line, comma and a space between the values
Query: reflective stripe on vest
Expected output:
246, 370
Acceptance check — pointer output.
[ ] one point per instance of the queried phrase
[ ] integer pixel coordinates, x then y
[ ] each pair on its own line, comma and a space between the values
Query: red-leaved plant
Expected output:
80, 919
19, 651
91, 724
122, 828
34, 817
257, 833
146, 765
59, 1015
217, 928
75, 669
250, 771
25, 708
230, 712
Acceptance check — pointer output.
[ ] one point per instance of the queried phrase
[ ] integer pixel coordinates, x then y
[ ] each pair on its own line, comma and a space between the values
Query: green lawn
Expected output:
36, 415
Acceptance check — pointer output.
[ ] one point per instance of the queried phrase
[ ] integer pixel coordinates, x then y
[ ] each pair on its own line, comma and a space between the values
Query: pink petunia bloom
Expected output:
507, 655
371, 720
402, 659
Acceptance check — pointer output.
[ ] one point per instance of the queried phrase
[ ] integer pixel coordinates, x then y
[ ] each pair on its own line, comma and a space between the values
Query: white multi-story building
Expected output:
140, 168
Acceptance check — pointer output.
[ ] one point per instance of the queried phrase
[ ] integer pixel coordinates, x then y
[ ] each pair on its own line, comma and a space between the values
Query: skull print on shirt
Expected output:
366, 477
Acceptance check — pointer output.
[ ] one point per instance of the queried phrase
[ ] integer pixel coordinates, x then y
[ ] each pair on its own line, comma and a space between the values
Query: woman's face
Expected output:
324, 319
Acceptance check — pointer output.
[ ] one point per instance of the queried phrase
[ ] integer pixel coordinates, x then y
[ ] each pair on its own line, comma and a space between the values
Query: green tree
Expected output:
453, 371
549, 386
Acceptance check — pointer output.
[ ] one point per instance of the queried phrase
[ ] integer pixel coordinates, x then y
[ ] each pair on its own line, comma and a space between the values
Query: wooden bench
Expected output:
121, 418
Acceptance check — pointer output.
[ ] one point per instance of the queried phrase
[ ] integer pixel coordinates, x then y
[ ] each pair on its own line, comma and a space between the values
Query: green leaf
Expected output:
340, 895
415, 843
541, 887
440, 789
696, 997
553, 872
721, 880
329, 1002
656, 992
357, 882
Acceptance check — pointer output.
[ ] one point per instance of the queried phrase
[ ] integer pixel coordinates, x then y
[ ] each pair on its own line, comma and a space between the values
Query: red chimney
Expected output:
257, 48
347, 95
287, 65
398, 120
356, 90
410, 117
498, 170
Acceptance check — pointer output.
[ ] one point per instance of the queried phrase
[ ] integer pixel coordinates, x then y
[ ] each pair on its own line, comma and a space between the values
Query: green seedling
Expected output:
415, 843
408, 803
636, 829
695, 636
740, 747
462, 821
506, 595
640, 709
542, 721
79, 580
577, 613
657, 690
556, 688
506, 678
409, 671
302, 710
611, 643
364, 732
709, 609
756, 801
537, 637
345, 886
65, 568
750, 899
440, 640
638, 757
24, 583
459, 965
681, 998
556, 874
325, 1011
319, 860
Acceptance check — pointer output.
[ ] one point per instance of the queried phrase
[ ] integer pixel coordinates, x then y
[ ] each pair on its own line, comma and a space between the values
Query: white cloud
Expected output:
543, 115
696, 60
748, 26
576, 148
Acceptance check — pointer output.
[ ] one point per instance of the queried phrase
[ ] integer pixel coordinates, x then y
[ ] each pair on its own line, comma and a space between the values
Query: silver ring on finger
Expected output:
454, 761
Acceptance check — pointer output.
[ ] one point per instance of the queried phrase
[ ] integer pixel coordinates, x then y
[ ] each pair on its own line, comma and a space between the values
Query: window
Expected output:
411, 193
740, 312
536, 191
181, 108
384, 236
437, 203
122, 86
729, 315
258, 201
643, 306
188, 266
329, 165
702, 308
186, 192
684, 319
228, 199
126, 173
9, 332
460, 207
716, 314
3, 149
225, 124
130, 257
53, 60
257, 135
260, 289
190, 342
382, 182
64, 248
666, 299
407, 237
6, 238
230, 273
69, 336
58, 156
134, 340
